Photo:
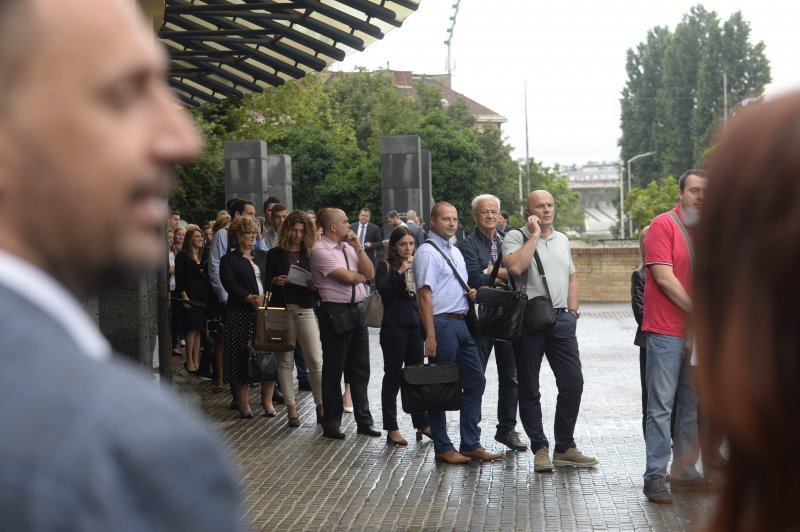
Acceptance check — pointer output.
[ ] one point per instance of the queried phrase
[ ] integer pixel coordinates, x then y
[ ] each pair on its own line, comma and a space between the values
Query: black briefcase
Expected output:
426, 387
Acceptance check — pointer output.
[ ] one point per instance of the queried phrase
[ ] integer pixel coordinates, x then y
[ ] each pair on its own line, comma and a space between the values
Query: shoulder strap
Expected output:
455, 272
496, 268
679, 223
538, 266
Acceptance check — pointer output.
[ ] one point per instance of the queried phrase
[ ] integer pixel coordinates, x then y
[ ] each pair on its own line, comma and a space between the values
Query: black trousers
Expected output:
560, 345
401, 346
343, 354
507, 385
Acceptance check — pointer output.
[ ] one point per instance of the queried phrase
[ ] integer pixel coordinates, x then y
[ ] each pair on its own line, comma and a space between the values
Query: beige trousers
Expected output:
307, 330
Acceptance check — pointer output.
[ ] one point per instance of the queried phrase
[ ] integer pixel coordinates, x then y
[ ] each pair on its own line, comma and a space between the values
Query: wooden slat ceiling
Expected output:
225, 48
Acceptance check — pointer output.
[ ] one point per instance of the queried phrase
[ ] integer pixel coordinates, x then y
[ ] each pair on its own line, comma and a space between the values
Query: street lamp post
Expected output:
630, 220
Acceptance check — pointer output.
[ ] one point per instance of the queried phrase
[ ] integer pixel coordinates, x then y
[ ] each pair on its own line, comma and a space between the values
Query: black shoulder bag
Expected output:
501, 309
539, 315
472, 317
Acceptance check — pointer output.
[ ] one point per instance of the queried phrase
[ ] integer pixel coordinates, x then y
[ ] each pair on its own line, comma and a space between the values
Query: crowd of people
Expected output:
89, 130
427, 280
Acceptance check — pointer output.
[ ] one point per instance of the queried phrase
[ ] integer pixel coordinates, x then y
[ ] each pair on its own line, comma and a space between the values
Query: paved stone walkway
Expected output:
293, 479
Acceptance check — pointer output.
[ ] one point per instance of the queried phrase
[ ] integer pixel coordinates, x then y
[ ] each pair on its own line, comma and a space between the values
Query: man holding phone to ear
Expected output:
339, 268
559, 343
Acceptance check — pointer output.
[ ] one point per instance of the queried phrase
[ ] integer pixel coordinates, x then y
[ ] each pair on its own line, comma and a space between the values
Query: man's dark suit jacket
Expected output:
372, 234
96, 445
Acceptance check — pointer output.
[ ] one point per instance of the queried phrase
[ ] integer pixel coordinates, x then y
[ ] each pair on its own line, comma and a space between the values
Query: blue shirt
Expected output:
431, 270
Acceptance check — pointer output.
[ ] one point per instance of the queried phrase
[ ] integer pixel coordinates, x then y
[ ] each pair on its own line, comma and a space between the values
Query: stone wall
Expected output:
604, 273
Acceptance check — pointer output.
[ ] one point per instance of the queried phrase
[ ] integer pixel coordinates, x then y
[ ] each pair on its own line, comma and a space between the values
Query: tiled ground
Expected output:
293, 479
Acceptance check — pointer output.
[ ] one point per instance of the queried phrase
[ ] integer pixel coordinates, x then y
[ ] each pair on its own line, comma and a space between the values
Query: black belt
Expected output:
451, 315
562, 310
357, 303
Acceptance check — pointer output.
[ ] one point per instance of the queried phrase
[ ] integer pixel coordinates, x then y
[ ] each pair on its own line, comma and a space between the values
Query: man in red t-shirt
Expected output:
667, 303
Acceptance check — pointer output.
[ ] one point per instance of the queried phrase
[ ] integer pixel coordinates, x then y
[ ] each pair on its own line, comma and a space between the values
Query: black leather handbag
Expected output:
501, 309
426, 387
259, 365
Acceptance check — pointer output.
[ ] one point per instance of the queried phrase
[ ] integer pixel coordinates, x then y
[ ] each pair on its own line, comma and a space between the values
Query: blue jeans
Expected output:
669, 380
454, 343
506, 377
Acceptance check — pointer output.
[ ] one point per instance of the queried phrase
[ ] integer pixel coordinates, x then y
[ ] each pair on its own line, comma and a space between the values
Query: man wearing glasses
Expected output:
480, 250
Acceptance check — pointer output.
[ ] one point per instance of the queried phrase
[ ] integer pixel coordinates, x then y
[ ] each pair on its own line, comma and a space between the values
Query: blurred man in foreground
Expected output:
89, 130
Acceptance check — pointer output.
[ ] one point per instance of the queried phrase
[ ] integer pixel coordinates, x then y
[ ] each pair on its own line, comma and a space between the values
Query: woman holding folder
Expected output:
296, 236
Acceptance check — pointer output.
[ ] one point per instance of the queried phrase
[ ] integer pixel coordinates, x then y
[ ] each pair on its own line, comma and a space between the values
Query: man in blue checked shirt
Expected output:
443, 308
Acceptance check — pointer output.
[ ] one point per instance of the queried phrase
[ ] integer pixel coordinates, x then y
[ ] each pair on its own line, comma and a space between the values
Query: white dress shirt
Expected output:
46, 293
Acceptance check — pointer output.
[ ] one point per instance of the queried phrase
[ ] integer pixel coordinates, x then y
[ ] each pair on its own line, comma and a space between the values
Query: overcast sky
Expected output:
571, 53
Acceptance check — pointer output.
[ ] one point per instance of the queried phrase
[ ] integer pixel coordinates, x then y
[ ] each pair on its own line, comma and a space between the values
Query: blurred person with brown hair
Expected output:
748, 342
296, 238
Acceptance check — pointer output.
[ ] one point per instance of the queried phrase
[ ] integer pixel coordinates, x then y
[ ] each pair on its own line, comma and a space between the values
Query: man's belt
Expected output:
348, 304
454, 316
562, 310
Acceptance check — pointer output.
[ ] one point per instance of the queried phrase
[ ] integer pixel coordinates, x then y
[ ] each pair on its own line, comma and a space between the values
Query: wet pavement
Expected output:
294, 479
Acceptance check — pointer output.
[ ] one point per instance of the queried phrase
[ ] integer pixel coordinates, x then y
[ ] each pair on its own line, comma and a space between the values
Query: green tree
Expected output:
638, 102
672, 101
646, 203
200, 189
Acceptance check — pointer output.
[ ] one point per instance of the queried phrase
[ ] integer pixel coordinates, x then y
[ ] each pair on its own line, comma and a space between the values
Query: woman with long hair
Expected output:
296, 237
191, 285
401, 339
243, 273
746, 288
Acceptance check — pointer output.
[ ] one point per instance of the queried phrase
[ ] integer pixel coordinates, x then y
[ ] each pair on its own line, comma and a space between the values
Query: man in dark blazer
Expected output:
368, 233
89, 128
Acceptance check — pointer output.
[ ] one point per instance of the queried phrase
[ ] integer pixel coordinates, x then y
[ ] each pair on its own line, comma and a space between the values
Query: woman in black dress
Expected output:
243, 274
296, 237
191, 284
401, 340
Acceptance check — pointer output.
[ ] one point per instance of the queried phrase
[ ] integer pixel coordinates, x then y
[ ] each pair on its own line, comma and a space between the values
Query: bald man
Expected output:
559, 343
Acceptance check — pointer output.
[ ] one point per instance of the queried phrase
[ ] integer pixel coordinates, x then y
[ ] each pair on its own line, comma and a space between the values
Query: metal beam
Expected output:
251, 52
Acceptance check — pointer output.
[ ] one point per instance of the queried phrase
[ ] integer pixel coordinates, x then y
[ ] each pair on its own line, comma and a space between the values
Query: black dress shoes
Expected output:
334, 434
368, 430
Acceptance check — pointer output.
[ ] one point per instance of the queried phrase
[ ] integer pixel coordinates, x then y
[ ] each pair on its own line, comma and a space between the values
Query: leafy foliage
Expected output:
332, 130
673, 99
657, 197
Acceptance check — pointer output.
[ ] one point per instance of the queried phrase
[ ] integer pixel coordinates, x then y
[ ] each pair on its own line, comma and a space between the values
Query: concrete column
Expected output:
427, 187
279, 180
401, 171
128, 318
246, 163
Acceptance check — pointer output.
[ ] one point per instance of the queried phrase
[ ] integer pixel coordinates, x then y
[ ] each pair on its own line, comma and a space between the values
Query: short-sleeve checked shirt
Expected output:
430, 269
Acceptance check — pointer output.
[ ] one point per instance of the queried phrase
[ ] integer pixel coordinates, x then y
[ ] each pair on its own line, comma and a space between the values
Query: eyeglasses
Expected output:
254, 234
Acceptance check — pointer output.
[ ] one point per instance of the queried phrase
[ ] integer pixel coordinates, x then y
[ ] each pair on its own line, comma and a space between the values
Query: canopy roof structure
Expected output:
226, 48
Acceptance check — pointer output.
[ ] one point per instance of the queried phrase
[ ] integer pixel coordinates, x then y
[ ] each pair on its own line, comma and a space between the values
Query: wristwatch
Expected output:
576, 312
